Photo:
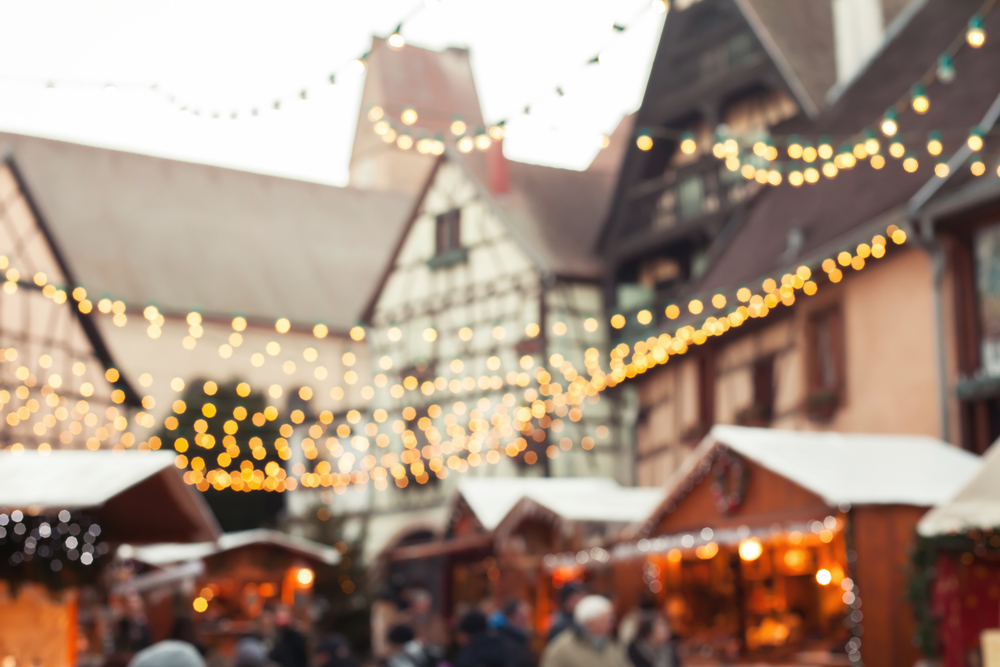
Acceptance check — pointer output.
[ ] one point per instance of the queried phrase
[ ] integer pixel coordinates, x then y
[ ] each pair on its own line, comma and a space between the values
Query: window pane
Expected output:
988, 287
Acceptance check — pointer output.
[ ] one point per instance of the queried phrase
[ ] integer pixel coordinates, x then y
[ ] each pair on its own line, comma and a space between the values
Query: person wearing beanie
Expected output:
168, 653
589, 643
407, 650
482, 645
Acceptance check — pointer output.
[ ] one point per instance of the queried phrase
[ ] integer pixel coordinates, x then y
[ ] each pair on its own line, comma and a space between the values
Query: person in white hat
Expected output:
168, 653
589, 642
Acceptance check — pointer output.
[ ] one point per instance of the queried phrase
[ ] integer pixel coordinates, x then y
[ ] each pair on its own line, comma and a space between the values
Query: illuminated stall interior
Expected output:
235, 580
784, 545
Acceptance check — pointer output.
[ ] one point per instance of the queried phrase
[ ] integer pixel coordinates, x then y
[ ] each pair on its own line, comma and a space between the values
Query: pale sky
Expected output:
227, 54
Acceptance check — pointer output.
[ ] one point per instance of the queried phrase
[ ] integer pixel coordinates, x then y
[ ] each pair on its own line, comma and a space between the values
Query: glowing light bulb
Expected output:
897, 149
975, 35
409, 116
941, 169
934, 145
644, 141
823, 577
458, 127
396, 41
304, 576
688, 144
910, 163
750, 550
975, 140
466, 144
977, 166
483, 141
889, 125
405, 142
375, 114
920, 101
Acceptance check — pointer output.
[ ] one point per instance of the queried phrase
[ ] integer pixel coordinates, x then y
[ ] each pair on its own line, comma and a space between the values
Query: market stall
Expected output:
61, 516
230, 587
768, 540
957, 567
499, 530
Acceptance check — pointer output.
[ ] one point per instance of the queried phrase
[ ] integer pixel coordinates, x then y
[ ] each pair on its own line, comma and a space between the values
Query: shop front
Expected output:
783, 547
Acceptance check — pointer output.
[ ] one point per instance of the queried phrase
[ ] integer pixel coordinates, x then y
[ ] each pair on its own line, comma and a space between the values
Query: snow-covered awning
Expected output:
139, 497
851, 468
167, 554
588, 499
976, 505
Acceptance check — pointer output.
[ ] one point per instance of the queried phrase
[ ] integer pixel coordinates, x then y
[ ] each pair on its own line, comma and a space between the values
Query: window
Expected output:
449, 232
987, 259
448, 248
825, 363
761, 410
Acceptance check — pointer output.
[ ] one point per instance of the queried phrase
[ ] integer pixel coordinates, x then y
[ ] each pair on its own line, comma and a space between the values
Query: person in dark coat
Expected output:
335, 651
482, 647
514, 627
571, 593
653, 645
407, 650
290, 644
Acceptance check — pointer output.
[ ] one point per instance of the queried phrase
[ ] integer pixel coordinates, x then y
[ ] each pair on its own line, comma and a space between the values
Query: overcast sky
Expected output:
220, 55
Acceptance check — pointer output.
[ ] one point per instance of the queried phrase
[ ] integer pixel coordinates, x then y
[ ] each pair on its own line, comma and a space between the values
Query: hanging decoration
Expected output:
57, 549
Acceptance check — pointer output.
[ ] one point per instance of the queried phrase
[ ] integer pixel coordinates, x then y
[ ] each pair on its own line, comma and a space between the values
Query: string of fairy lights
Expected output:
756, 157
504, 430
502, 424
429, 142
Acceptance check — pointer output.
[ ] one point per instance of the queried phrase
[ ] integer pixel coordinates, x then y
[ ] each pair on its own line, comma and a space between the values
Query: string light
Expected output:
644, 141
934, 145
920, 102
889, 125
975, 35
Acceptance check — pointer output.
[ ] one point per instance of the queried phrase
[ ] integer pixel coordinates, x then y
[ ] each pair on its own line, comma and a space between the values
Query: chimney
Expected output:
497, 169
857, 32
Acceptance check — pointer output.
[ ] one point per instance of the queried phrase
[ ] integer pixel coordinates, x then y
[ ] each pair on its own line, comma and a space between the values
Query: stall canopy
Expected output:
858, 469
137, 497
976, 505
161, 555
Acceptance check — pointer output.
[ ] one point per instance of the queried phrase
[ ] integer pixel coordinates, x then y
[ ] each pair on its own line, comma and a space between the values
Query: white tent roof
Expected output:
68, 479
860, 469
976, 505
166, 554
572, 498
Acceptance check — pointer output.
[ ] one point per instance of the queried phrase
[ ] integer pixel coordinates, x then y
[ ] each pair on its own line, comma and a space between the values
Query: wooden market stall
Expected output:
789, 547
960, 548
500, 530
61, 516
223, 587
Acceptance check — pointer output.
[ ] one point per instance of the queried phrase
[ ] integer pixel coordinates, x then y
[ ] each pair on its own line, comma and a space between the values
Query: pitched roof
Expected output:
166, 554
139, 495
855, 468
976, 505
186, 236
572, 498
831, 213
559, 212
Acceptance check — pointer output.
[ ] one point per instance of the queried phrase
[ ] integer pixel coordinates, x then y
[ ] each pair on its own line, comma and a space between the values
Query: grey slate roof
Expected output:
185, 236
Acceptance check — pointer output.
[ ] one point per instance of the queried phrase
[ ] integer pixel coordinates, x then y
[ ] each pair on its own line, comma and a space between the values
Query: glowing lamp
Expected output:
975, 35
750, 550
910, 163
823, 577
409, 116
458, 127
977, 166
889, 125
919, 100
975, 140
644, 141
396, 40
304, 576
688, 144
945, 69
934, 145
941, 169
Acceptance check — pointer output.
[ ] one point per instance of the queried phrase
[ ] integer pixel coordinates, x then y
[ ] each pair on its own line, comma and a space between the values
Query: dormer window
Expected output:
448, 248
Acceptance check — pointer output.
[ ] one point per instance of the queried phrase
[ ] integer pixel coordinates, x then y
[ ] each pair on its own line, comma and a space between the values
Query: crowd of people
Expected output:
407, 631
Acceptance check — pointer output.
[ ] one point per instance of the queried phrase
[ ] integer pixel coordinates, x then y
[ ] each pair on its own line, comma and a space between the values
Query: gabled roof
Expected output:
595, 499
166, 554
189, 236
554, 214
854, 468
832, 214
976, 505
140, 495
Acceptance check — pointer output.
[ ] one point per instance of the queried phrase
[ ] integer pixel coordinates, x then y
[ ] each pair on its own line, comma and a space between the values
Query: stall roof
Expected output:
166, 554
572, 498
139, 496
976, 505
855, 468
